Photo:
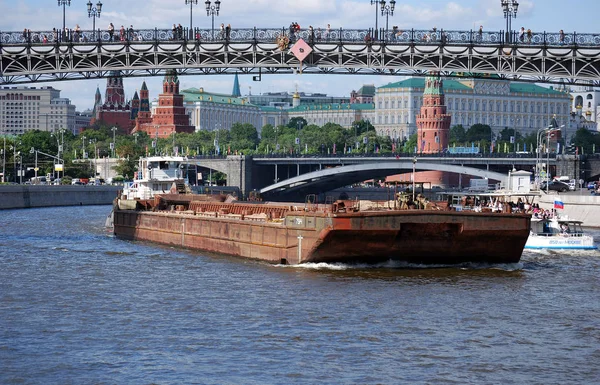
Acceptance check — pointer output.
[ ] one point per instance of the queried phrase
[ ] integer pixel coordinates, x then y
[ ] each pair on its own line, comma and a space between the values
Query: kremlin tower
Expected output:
115, 111
170, 115
433, 127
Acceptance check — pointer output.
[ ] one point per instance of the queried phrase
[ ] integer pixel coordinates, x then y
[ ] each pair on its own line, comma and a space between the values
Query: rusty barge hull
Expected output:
413, 236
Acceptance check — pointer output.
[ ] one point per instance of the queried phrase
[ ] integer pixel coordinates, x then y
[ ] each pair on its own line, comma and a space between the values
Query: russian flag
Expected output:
558, 204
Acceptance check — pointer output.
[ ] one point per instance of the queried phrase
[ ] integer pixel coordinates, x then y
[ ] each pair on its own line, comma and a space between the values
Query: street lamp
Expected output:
112, 145
376, 2
212, 10
64, 3
83, 147
299, 126
510, 8
93, 12
387, 11
191, 2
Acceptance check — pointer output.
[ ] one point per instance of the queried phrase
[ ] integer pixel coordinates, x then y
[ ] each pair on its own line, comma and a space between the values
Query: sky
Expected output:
537, 15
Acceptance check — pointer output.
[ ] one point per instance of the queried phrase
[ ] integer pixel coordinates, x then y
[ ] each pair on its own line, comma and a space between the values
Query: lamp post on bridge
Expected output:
510, 8
376, 2
191, 2
93, 12
113, 144
64, 3
387, 11
212, 10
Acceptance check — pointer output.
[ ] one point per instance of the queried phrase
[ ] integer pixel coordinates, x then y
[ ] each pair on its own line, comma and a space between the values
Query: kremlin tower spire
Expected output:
236, 93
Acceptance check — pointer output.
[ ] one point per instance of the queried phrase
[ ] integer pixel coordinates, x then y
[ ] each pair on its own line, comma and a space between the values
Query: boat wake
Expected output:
405, 265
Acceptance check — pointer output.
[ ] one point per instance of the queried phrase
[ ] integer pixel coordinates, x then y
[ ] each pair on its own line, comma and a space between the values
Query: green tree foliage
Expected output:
506, 133
479, 132
293, 123
410, 144
244, 137
587, 141
458, 134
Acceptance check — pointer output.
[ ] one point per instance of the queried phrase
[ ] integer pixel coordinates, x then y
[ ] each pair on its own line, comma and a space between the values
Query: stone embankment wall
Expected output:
20, 197
584, 207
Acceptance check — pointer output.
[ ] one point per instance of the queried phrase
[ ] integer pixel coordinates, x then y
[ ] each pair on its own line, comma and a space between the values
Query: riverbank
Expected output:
31, 196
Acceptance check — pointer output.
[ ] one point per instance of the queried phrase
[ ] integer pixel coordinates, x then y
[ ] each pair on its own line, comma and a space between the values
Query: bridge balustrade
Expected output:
317, 36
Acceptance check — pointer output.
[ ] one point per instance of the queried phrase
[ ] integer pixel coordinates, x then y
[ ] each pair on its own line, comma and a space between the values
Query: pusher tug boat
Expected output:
346, 231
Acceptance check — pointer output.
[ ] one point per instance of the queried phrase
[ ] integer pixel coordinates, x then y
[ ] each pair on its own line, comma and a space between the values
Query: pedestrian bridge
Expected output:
39, 56
335, 177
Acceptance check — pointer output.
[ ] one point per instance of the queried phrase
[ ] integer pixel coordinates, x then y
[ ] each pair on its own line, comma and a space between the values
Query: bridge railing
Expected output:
398, 155
315, 36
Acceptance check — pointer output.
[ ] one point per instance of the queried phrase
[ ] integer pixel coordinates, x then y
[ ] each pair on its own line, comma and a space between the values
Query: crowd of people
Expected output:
313, 35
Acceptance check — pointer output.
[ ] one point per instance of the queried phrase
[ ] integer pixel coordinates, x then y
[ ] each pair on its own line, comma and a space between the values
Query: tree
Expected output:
293, 123
243, 136
458, 134
586, 140
411, 144
506, 133
479, 132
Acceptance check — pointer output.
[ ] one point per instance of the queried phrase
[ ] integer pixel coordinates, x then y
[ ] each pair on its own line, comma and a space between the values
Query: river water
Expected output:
78, 306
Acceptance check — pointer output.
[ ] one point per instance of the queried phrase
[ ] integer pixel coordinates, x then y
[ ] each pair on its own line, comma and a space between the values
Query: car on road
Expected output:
555, 185
592, 185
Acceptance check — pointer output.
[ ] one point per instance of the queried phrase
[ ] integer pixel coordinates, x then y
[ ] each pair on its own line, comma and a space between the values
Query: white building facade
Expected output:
29, 108
211, 111
497, 103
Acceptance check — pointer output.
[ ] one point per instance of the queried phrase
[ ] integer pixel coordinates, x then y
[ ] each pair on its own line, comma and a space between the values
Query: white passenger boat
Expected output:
558, 233
156, 175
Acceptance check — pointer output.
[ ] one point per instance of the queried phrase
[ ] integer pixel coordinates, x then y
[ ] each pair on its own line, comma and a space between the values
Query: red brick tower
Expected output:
433, 127
144, 115
170, 115
433, 123
115, 92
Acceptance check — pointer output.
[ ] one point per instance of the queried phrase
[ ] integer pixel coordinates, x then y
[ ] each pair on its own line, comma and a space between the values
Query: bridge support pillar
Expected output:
239, 172
569, 165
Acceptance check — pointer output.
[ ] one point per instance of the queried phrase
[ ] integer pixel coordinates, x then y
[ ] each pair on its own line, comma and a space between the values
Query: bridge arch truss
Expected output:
546, 58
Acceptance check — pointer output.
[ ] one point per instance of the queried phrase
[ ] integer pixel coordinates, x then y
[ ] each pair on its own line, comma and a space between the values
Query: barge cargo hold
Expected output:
338, 232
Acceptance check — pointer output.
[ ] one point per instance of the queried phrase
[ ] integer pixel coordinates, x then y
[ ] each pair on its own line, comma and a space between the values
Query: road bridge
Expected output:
547, 57
297, 175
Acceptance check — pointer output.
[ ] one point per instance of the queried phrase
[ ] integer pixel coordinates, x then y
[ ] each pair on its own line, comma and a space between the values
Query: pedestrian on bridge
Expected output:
111, 31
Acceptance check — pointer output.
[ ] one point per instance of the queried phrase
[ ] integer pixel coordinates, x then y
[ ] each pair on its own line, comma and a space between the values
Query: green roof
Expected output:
367, 89
199, 95
530, 88
419, 82
454, 85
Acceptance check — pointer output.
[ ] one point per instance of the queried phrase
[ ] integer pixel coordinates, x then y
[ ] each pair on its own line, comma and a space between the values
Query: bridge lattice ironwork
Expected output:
28, 57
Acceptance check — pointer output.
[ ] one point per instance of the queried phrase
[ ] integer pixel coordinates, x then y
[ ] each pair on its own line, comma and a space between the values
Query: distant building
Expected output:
344, 114
29, 108
285, 100
364, 95
585, 108
497, 103
211, 111
82, 120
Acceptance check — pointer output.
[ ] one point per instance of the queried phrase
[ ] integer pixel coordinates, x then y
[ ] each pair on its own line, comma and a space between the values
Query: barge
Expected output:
348, 231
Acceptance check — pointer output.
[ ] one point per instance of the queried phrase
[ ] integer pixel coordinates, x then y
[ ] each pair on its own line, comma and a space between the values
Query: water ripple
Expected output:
80, 306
